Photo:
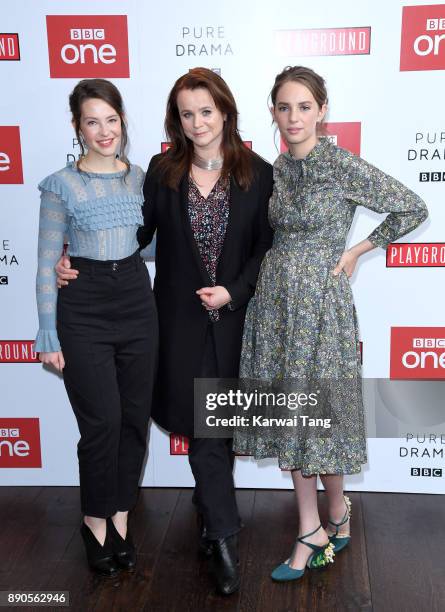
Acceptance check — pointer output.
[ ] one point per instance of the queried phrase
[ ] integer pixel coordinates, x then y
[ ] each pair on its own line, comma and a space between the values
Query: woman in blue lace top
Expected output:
101, 331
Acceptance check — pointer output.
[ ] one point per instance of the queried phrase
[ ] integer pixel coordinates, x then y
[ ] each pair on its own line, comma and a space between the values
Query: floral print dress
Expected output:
301, 324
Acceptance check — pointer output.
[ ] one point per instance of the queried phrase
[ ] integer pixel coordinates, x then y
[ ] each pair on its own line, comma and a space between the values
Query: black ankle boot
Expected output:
123, 550
225, 563
100, 558
205, 545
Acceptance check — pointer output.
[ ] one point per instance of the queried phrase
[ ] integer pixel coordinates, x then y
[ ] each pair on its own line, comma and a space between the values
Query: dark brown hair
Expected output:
177, 161
313, 81
109, 93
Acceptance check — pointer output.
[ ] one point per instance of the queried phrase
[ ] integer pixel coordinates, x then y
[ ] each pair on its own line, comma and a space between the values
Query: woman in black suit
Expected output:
206, 198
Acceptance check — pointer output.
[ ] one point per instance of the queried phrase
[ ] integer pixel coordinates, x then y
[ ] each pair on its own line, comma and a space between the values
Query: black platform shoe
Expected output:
205, 545
225, 564
100, 558
123, 550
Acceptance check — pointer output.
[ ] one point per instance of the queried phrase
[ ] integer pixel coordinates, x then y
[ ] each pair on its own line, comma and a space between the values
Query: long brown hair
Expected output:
100, 89
306, 76
177, 161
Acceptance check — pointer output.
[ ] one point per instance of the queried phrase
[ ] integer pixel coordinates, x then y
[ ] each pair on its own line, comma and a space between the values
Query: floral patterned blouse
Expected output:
208, 218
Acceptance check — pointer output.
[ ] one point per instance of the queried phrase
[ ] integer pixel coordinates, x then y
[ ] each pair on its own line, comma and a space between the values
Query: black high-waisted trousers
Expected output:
108, 329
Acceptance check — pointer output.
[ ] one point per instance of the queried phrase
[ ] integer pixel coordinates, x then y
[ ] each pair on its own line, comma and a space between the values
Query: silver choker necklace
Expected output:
208, 164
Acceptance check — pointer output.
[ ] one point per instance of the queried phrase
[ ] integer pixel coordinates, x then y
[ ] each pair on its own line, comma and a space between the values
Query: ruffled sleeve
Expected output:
55, 185
47, 341
370, 187
53, 225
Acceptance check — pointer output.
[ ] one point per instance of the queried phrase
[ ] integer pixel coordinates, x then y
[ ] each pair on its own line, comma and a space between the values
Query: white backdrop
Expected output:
393, 99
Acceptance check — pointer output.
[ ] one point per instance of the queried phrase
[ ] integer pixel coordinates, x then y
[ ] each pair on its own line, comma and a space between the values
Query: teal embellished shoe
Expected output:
341, 540
321, 556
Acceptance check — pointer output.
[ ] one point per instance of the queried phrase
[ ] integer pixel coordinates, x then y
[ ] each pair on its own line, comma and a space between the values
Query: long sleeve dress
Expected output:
301, 324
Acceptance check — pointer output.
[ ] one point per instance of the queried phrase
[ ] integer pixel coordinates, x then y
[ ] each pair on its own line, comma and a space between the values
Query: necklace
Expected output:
208, 164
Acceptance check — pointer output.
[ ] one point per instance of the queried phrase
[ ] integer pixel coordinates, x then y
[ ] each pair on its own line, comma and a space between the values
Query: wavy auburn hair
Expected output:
177, 160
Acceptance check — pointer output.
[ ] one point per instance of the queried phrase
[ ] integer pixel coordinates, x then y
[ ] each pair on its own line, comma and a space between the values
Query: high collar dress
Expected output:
301, 332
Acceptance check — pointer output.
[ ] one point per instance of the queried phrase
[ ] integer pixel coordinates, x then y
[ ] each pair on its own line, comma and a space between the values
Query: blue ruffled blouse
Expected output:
97, 214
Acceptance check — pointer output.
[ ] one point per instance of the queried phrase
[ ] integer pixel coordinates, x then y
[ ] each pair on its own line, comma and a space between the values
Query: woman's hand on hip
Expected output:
213, 298
55, 359
346, 263
64, 271
349, 259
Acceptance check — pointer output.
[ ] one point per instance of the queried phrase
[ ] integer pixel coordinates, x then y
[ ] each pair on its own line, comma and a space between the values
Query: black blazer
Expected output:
180, 272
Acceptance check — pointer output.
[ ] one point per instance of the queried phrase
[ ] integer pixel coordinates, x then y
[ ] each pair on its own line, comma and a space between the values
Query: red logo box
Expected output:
417, 352
422, 44
324, 41
179, 445
9, 47
11, 170
20, 443
17, 351
87, 46
346, 135
415, 255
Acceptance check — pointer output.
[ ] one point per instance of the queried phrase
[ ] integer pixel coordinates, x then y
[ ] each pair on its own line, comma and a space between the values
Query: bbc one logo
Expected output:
346, 135
432, 177
324, 41
423, 38
11, 171
87, 46
20, 443
429, 472
417, 353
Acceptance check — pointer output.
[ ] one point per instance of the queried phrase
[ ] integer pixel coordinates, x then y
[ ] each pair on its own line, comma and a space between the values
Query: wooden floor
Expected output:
395, 563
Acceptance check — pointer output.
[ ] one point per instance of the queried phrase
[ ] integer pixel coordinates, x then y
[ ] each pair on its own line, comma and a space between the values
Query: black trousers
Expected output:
211, 460
107, 326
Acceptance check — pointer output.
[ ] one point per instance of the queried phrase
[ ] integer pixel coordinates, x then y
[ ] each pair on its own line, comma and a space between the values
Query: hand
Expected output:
55, 359
213, 298
64, 272
346, 264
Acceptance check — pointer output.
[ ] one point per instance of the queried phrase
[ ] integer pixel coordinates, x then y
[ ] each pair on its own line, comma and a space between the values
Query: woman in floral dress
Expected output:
301, 324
